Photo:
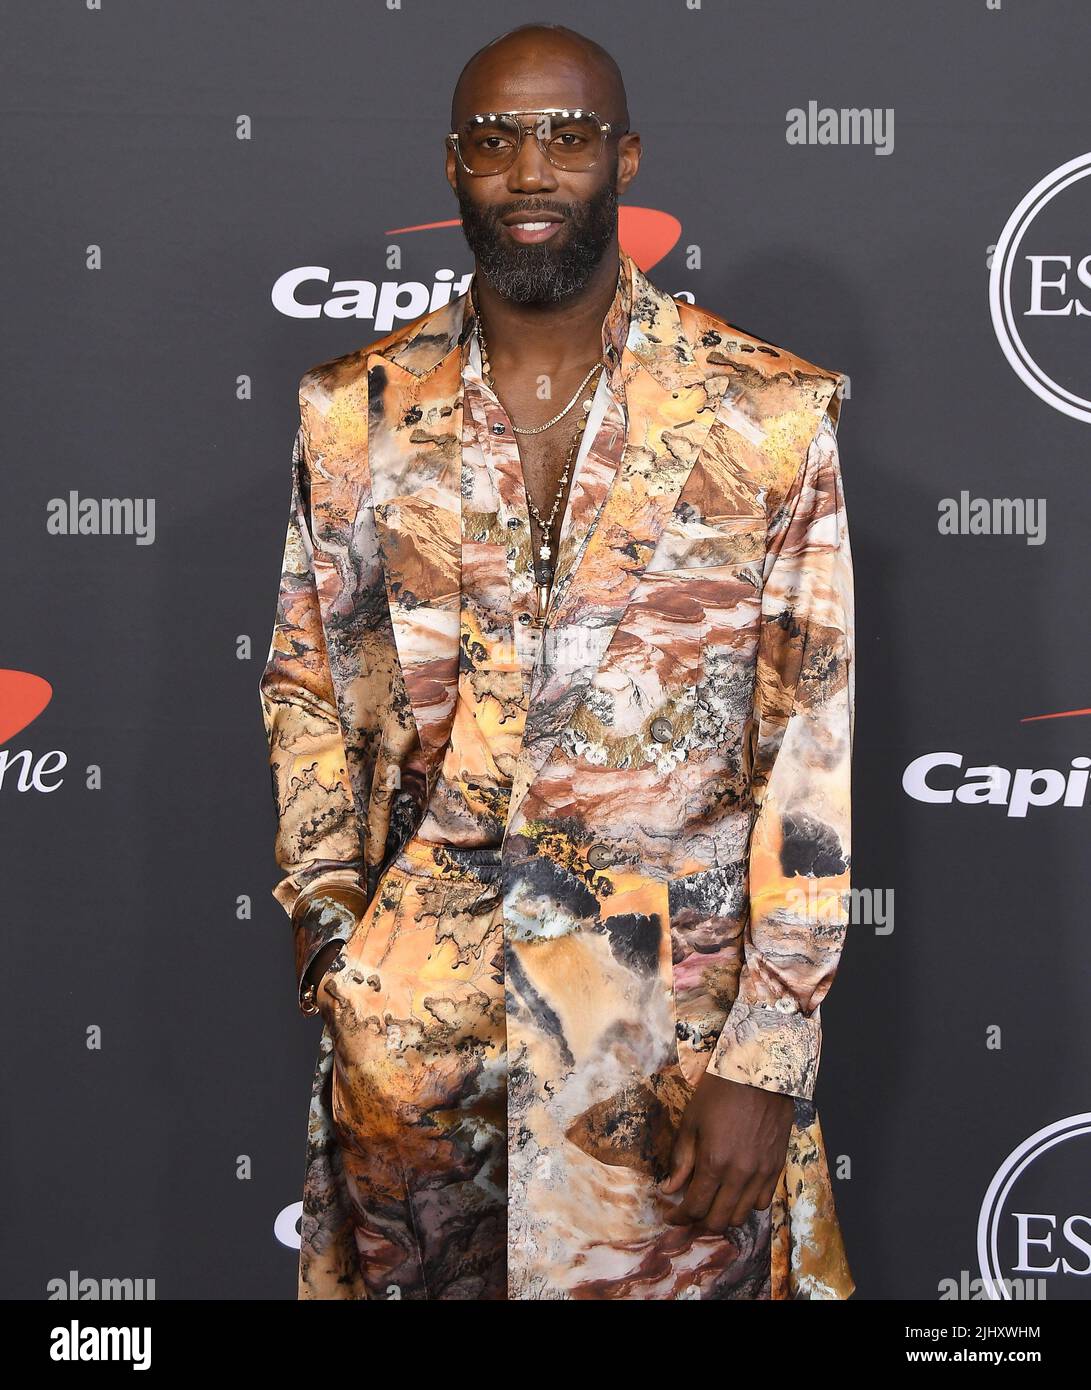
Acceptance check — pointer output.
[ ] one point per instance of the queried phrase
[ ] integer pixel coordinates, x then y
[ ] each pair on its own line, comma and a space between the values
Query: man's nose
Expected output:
531, 171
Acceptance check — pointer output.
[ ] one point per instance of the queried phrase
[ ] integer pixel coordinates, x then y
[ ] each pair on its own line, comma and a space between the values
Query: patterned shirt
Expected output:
499, 643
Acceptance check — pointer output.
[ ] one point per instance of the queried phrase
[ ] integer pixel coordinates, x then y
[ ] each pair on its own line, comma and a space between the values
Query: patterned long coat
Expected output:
676, 859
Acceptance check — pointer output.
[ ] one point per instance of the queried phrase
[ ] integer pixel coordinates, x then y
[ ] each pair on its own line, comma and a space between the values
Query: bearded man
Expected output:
559, 705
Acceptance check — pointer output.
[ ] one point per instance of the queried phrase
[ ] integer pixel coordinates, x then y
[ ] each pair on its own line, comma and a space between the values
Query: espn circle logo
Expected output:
1041, 265
1035, 1221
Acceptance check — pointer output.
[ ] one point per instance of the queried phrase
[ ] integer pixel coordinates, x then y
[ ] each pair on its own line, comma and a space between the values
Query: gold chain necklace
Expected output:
543, 573
533, 429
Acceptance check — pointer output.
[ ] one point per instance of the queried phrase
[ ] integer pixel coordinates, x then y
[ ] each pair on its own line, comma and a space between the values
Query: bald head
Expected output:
537, 66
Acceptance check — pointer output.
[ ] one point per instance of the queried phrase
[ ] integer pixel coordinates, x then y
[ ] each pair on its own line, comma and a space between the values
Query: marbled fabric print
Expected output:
592, 862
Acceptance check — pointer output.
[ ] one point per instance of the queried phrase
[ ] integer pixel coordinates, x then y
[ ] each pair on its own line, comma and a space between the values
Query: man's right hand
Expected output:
319, 967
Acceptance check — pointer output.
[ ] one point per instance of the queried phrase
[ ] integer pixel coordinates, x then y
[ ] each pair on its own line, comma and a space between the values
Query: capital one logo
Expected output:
23, 696
941, 779
1035, 1221
1040, 289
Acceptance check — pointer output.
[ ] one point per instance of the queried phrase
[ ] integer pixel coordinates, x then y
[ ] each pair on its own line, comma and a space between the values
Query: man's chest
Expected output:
543, 458
526, 477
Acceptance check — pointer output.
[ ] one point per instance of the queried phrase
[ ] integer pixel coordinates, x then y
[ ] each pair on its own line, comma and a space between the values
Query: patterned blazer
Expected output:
684, 782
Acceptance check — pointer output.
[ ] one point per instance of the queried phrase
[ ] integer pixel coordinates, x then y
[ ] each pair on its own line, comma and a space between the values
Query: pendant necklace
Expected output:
543, 569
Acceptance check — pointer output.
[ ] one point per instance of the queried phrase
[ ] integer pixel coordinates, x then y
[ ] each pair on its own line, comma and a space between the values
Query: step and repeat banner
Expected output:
207, 197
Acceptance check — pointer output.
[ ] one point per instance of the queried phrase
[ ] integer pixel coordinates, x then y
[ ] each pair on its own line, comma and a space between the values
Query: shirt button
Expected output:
662, 730
600, 856
499, 428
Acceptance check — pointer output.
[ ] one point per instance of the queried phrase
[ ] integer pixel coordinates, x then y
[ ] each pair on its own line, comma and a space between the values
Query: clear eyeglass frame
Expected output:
604, 128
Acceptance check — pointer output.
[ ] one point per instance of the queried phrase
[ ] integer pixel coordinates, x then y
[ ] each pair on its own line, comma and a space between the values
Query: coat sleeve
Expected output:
800, 752
317, 839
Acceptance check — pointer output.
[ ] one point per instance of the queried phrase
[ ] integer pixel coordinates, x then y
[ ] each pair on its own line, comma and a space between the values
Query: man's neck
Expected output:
555, 339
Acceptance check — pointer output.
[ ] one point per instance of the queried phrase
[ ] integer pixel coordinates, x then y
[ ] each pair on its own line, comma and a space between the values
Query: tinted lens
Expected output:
489, 146
572, 142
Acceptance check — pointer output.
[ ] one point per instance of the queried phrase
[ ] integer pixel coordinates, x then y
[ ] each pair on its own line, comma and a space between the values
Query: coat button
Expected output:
662, 730
600, 856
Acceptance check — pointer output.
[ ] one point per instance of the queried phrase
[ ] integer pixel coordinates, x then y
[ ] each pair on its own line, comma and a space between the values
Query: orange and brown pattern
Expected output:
574, 868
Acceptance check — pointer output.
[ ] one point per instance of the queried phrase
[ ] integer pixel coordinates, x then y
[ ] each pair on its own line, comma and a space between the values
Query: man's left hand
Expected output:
730, 1149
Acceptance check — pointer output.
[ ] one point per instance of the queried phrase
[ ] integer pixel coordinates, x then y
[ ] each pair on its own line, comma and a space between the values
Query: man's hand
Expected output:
319, 967
731, 1148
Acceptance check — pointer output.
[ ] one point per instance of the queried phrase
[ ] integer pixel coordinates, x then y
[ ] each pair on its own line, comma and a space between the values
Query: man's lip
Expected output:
523, 236
510, 219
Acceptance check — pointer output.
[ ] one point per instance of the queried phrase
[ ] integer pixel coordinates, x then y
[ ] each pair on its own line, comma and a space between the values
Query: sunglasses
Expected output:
571, 139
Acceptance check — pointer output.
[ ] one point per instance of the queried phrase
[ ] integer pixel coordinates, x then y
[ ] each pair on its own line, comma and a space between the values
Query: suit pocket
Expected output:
696, 543
421, 1028
358, 953
355, 971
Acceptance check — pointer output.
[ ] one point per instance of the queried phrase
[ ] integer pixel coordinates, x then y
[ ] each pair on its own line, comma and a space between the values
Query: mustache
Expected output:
564, 210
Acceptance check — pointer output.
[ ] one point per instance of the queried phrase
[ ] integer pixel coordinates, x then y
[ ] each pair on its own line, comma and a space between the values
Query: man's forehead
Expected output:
526, 86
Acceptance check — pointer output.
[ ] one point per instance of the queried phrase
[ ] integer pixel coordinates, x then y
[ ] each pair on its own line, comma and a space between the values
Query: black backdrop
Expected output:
167, 163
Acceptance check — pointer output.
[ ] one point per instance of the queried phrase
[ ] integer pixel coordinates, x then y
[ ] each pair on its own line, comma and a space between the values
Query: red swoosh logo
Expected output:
1061, 714
646, 234
22, 699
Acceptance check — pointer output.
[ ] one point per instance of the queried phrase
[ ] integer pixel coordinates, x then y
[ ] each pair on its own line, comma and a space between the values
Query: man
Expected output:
559, 704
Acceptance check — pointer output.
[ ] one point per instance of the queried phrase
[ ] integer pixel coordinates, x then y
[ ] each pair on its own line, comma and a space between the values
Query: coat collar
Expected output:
414, 459
641, 318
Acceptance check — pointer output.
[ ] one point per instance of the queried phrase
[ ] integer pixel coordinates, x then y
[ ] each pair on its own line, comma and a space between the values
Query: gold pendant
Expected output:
542, 591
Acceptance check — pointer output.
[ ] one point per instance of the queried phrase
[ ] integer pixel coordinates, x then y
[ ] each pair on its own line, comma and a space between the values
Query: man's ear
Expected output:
628, 160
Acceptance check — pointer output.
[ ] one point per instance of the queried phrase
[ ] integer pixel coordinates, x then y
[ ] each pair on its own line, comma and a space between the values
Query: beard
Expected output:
541, 273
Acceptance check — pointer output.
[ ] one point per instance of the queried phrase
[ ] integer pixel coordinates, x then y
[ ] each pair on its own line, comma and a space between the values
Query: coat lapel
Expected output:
414, 459
591, 482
